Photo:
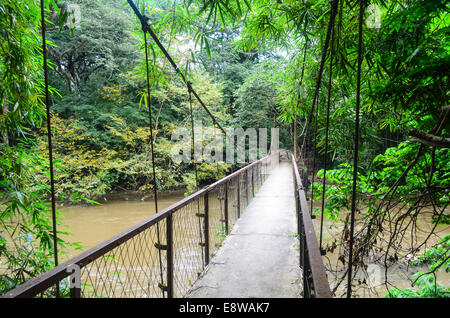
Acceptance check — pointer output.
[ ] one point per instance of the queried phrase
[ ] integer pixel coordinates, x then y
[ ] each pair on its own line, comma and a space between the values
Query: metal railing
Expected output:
163, 255
315, 281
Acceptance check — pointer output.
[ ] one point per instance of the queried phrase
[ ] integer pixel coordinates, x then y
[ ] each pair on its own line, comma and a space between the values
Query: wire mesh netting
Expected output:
217, 225
135, 268
233, 212
243, 192
138, 264
250, 185
188, 241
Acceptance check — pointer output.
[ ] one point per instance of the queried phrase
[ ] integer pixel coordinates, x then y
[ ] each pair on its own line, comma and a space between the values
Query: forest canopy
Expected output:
255, 63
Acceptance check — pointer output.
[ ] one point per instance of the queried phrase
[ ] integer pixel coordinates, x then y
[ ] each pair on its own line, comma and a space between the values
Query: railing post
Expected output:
253, 181
238, 196
260, 174
206, 228
301, 235
266, 168
75, 292
263, 170
74, 281
258, 182
304, 262
306, 273
298, 214
226, 207
246, 186
169, 234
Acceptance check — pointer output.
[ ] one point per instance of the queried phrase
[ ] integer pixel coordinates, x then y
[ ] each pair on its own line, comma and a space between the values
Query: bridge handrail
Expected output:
315, 281
46, 280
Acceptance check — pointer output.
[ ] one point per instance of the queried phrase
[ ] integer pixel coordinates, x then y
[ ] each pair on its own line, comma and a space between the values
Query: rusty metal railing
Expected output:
163, 255
315, 281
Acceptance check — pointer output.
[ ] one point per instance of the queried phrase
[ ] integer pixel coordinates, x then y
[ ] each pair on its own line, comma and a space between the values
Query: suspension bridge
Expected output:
249, 234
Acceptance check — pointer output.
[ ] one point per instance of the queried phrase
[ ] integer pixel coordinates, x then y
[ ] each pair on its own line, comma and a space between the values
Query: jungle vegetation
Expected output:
255, 63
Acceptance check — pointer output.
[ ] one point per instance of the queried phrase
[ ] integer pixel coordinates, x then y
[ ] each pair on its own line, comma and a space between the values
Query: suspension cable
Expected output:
155, 187
356, 149
49, 136
146, 27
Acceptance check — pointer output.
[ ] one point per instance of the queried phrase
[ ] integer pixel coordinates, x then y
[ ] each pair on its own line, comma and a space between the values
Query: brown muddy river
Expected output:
125, 272
93, 224
377, 279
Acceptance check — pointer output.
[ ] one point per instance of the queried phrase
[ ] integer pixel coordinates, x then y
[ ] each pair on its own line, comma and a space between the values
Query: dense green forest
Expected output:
255, 63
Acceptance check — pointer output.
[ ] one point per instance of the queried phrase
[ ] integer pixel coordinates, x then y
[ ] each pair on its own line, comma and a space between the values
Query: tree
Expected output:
26, 234
20, 67
404, 89
96, 50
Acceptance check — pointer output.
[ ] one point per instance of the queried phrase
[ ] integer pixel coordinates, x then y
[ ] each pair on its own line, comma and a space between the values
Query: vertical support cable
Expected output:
49, 136
253, 181
206, 228
222, 211
246, 189
226, 208
192, 135
155, 190
314, 106
327, 125
215, 153
294, 135
356, 149
191, 112
334, 4
316, 103
170, 267
298, 214
298, 98
238, 196
314, 141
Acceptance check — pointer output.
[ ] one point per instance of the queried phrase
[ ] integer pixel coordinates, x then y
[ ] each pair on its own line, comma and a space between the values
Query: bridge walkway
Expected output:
260, 257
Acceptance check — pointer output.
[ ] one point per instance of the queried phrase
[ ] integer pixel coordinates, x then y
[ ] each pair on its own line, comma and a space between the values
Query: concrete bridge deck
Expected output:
259, 259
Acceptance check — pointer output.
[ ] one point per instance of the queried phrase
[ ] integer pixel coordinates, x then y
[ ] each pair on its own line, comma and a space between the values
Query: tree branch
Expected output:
429, 139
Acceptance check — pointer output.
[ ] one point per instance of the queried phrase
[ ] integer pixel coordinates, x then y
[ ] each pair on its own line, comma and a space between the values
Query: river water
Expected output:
377, 279
93, 224
125, 272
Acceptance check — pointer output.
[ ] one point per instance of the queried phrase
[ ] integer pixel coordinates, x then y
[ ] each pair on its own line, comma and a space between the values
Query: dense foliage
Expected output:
255, 63
26, 234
